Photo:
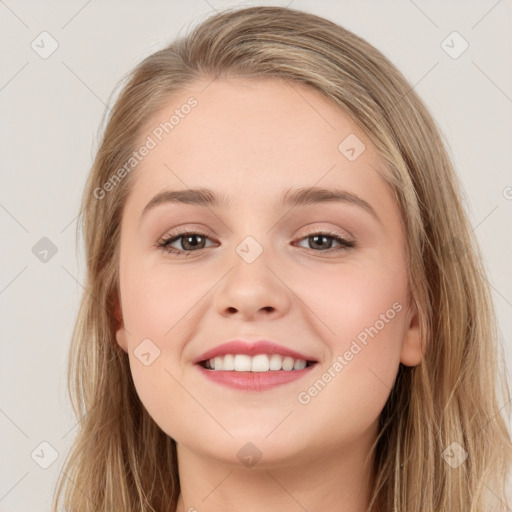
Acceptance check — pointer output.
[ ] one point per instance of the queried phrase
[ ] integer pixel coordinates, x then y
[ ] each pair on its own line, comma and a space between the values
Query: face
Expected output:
326, 279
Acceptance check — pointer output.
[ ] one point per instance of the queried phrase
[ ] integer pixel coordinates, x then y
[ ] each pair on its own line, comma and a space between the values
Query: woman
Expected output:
286, 305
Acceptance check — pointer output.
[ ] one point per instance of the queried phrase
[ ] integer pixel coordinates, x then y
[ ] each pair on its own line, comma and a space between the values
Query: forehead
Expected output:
252, 139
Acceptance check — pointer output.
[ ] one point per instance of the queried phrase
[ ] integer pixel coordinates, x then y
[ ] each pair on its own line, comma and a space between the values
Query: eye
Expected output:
193, 241
323, 240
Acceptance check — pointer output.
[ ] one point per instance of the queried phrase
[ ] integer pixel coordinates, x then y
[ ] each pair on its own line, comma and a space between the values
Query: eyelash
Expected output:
172, 237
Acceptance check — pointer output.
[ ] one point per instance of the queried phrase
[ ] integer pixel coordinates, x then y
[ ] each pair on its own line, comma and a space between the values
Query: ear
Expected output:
121, 337
412, 351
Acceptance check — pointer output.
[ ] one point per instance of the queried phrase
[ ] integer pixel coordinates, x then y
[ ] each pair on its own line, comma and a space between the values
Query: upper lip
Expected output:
251, 349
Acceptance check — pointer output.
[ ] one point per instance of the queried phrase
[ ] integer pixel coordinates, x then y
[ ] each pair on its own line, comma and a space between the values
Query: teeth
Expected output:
276, 362
242, 363
229, 362
258, 363
299, 364
288, 363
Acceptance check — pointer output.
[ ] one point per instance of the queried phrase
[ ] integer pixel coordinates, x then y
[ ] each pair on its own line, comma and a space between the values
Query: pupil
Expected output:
188, 239
316, 237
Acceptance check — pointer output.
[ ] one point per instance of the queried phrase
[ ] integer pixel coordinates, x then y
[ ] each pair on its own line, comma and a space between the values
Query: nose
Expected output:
253, 291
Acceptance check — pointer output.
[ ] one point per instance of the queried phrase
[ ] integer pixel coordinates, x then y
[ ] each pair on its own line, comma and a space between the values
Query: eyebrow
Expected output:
291, 198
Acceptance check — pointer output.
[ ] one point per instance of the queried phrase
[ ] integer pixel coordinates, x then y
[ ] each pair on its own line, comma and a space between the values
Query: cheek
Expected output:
362, 313
155, 307
363, 301
155, 299
347, 395
160, 309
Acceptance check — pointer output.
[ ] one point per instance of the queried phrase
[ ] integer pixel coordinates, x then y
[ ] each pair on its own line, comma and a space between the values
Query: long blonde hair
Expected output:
122, 461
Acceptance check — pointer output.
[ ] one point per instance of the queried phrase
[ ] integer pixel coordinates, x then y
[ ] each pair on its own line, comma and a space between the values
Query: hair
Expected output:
121, 460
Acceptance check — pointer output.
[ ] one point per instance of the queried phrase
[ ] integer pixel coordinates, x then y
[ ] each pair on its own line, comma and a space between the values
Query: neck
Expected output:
333, 479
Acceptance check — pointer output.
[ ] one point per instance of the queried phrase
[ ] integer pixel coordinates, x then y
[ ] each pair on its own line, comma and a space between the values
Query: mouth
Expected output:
257, 373
253, 366
260, 363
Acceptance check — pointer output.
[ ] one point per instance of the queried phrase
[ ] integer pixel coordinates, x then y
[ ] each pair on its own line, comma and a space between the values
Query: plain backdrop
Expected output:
51, 111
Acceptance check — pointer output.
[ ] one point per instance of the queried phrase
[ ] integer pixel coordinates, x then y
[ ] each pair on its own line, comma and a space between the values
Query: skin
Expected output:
252, 140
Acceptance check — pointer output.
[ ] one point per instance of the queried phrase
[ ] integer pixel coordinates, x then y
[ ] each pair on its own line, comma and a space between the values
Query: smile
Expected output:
254, 373
257, 363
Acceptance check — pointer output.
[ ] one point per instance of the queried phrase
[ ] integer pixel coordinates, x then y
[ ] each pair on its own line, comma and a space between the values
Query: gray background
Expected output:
51, 110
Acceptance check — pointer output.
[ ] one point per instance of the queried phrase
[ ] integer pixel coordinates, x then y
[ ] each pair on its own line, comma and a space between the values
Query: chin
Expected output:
252, 449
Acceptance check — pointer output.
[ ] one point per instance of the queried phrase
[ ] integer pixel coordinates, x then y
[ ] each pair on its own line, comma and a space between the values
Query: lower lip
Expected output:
254, 381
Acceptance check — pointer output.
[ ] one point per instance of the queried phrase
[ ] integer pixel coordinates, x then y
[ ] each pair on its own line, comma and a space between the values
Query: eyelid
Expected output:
313, 228
192, 229
189, 228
